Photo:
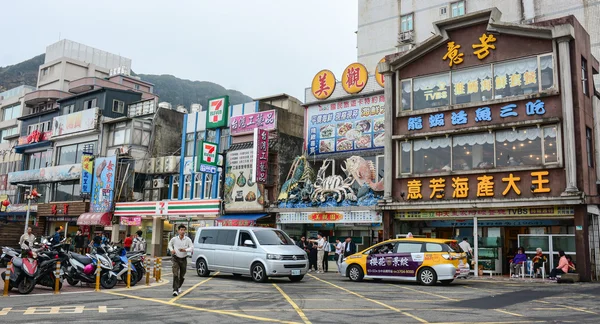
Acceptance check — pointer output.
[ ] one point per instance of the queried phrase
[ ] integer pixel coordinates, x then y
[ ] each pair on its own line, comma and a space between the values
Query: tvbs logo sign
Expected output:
209, 153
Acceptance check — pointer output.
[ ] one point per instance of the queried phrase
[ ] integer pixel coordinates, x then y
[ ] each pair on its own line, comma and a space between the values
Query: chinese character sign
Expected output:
87, 169
355, 78
353, 124
217, 113
378, 76
245, 124
261, 154
241, 192
103, 184
323, 84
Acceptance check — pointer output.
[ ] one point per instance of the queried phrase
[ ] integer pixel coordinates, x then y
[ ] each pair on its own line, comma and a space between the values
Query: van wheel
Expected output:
296, 278
427, 276
258, 272
202, 268
446, 282
355, 273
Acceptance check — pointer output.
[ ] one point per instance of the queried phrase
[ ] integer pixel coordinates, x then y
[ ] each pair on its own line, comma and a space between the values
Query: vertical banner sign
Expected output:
87, 169
104, 184
260, 155
208, 154
217, 113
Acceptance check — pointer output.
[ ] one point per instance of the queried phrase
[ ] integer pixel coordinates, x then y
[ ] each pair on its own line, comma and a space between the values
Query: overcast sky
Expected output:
259, 47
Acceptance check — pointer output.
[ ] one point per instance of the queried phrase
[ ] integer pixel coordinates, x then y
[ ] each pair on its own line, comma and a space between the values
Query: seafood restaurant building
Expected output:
333, 188
492, 139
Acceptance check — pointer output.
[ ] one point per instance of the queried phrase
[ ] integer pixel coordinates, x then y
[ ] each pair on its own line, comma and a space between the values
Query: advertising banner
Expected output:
35, 137
246, 124
217, 113
50, 174
241, 192
76, 122
87, 168
344, 126
261, 155
103, 184
131, 221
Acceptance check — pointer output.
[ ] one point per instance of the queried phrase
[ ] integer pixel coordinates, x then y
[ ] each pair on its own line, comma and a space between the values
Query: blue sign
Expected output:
208, 168
491, 223
87, 169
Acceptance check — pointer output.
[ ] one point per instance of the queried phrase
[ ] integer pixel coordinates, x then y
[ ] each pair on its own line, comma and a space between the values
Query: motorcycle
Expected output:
23, 272
121, 259
7, 254
83, 268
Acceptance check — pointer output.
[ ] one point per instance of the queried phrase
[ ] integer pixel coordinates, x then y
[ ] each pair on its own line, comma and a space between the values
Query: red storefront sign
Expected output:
327, 217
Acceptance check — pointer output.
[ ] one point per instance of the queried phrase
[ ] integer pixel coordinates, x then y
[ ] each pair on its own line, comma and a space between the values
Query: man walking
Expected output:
349, 247
78, 239
139, 243
320, 252
128, 242
339, 248
326, 251
180, 245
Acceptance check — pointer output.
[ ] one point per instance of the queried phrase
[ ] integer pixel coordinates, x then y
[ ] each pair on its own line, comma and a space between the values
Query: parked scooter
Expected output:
23, 272
83, 268
121, 264
7, 254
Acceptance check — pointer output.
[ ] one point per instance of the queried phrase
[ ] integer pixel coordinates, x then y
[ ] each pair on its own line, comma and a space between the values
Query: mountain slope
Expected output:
168, 87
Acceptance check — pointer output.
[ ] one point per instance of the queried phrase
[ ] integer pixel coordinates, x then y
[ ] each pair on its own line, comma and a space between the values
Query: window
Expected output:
243, 237
272, 237
7, 132
528, 146
41, 127
495, 81
584, 77
175, 187
141, 132
187, 189
67, 191
72, 154
11, 112
208, 185
589, 147
38, 160
136, 87
118, 106
89, 104
68, 109
226, 237
433, 247
207, 237
457, 8
406, 23
405, 247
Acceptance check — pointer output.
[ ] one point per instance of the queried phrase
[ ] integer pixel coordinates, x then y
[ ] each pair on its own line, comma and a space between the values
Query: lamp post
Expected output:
28, 197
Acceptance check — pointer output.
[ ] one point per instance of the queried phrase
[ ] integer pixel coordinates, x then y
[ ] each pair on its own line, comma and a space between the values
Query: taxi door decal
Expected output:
394, 264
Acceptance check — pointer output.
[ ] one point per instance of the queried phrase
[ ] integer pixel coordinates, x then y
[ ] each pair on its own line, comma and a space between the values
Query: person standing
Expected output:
326, 251
320, 252
303, 245
56, 236
139, 243
179, 245
128, 242
105, 239
349, 247
312, 257
339, 249
78, 242
27, 237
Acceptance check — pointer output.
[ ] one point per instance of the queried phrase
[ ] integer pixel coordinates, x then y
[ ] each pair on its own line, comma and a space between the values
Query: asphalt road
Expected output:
323, 298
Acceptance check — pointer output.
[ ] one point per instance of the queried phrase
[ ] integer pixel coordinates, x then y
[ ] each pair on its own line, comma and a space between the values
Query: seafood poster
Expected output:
103, 184
241, 193
349, 125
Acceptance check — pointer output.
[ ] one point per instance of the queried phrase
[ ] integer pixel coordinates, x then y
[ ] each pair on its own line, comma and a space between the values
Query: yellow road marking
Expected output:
424, 292
507, 312
174, 299
296, 308
220, 312
371, 300
570, 307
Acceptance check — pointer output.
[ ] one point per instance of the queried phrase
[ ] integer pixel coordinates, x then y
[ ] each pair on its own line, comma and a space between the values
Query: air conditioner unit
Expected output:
158, 183
406, 37
159, 167
150, 165
170, 164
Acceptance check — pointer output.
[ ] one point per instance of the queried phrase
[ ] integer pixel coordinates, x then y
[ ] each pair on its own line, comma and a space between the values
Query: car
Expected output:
423, 260
259, 252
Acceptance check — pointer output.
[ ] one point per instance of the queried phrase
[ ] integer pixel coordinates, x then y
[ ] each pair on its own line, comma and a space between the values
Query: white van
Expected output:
256, 251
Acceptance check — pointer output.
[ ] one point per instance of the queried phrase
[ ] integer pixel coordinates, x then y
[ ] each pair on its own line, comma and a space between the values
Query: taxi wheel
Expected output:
427, 276
355, 273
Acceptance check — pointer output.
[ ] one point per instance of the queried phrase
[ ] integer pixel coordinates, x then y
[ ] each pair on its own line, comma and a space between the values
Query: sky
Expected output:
258, 47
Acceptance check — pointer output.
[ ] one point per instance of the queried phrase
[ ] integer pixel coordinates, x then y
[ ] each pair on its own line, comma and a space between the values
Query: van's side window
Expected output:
433, 247
408, 247
226, 237
208, 237
243, 237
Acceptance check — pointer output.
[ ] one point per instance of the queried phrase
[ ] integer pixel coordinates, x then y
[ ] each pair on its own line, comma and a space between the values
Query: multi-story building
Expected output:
391, 26
492, 139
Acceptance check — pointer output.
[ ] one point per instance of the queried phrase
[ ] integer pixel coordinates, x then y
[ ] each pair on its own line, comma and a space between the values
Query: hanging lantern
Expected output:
5, 203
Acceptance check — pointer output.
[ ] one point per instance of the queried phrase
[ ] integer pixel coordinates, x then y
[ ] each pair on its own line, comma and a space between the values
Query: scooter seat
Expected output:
81, 258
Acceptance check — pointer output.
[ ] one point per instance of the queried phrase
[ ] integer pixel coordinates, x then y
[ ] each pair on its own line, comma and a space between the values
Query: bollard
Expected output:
57, 279
154, 262
128, 273
158, 269
7, 278
98, 277
147, 265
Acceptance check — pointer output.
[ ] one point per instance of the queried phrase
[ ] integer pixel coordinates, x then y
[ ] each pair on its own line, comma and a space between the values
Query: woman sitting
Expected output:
538, 260
563, 266
571, 264
517, 262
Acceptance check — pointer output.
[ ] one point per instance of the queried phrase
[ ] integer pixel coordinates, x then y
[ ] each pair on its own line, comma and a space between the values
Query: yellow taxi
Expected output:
424, 260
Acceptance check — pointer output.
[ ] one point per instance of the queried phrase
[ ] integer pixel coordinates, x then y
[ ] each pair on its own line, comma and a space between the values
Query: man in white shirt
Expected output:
339, 249
320, 252
29, 237
179, 246
326, 251
466, 247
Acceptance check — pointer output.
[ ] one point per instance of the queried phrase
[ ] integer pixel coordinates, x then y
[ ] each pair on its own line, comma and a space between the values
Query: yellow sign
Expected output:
453, 55
354, 78
484, 46
378, 76
323, 84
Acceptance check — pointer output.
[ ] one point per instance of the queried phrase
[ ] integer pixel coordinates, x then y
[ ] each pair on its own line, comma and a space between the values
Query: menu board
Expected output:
349, 125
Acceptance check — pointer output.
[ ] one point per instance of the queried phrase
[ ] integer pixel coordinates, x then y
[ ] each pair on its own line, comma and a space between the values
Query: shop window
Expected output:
550, 147
431, 91
547, 71
589, 147
406, 96
473, 151
472, 85
406, 23
516, 78
519, 147
431, 155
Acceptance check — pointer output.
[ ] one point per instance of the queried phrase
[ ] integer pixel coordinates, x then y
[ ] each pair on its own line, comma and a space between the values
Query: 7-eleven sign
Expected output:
208, 153
217, 113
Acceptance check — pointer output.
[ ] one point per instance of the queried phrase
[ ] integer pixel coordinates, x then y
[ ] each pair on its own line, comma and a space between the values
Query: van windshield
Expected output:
274, 237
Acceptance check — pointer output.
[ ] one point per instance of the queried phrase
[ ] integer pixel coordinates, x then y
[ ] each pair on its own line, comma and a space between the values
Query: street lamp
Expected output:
32, 195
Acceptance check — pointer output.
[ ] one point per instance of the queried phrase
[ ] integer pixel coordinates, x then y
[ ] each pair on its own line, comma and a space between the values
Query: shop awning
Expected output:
22, 148
103, 219
239, 219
